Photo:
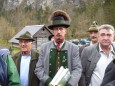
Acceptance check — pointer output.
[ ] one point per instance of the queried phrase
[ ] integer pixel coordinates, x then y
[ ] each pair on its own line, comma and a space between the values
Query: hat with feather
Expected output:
59, 18
93, 27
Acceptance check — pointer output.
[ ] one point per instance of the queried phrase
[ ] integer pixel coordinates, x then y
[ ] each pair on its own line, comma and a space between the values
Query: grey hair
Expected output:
107, 27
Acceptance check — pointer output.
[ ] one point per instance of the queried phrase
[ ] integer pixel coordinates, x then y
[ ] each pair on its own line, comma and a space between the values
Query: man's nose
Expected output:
22, 43
59, 30
105, 37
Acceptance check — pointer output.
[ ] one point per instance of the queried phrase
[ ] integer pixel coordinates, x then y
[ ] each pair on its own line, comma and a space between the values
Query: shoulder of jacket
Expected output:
16, 55
35, 52
90, 49
71, 44
3, 54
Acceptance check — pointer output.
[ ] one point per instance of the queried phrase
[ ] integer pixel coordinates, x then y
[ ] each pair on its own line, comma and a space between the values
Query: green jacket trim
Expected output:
67, 84
48, 81
53, 60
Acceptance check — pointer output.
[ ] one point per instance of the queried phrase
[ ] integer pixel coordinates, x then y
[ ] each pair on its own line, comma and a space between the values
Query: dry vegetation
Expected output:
102, 11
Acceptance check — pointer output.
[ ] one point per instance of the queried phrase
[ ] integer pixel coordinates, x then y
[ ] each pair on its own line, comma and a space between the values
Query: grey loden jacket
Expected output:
74, 62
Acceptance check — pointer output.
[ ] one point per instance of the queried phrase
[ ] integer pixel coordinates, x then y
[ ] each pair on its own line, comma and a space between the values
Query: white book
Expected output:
61, 76
64, 79
57, 75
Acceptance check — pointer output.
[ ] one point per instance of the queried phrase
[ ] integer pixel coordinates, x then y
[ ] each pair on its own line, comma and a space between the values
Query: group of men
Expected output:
89, 65
97, 57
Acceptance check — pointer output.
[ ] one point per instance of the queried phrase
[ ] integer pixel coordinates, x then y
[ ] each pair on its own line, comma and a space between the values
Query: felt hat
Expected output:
59, 18
25, 36
93, 27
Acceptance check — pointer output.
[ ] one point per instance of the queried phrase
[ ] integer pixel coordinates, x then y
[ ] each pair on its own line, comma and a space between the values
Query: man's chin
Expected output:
23, 50
58, 37
106, 45
94, 40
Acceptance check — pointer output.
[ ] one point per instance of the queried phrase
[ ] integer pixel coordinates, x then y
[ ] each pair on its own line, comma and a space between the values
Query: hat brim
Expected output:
25, 39
92, 30
52, 26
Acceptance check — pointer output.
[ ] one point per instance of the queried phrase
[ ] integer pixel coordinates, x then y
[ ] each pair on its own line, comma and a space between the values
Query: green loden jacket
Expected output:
33, 80
13, 76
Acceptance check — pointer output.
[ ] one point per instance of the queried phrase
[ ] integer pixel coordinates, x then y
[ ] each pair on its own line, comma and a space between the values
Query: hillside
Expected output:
15, 14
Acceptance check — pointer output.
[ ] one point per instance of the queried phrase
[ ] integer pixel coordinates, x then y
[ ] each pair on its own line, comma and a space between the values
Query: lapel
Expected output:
94, 57
94, 54
18, 62
34, 59
33, 56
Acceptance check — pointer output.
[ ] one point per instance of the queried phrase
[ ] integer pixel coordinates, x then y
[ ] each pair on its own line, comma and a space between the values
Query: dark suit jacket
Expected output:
112, 83
33, 80
109, 78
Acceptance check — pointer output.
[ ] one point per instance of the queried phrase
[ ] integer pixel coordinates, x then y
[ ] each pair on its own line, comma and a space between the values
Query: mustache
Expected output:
93, 37
58, 35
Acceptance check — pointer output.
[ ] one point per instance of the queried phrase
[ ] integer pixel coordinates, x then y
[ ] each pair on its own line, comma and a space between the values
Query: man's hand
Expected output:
49, 84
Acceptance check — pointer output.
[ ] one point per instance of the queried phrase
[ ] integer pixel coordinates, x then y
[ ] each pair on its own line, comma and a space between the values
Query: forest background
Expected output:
12, 20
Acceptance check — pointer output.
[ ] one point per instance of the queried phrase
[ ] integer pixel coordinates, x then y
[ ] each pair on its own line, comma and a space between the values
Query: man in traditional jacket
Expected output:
26, 60
58, 52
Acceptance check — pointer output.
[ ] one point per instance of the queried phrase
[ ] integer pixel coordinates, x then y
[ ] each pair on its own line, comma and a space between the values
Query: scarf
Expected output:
58, 42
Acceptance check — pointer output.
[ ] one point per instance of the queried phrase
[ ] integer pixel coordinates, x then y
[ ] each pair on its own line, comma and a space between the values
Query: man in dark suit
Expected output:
26, 61
109, 78
96, 58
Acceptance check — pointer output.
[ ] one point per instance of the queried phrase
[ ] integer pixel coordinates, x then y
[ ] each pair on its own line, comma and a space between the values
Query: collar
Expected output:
60, 44
28, 54
91, 43
111, 49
